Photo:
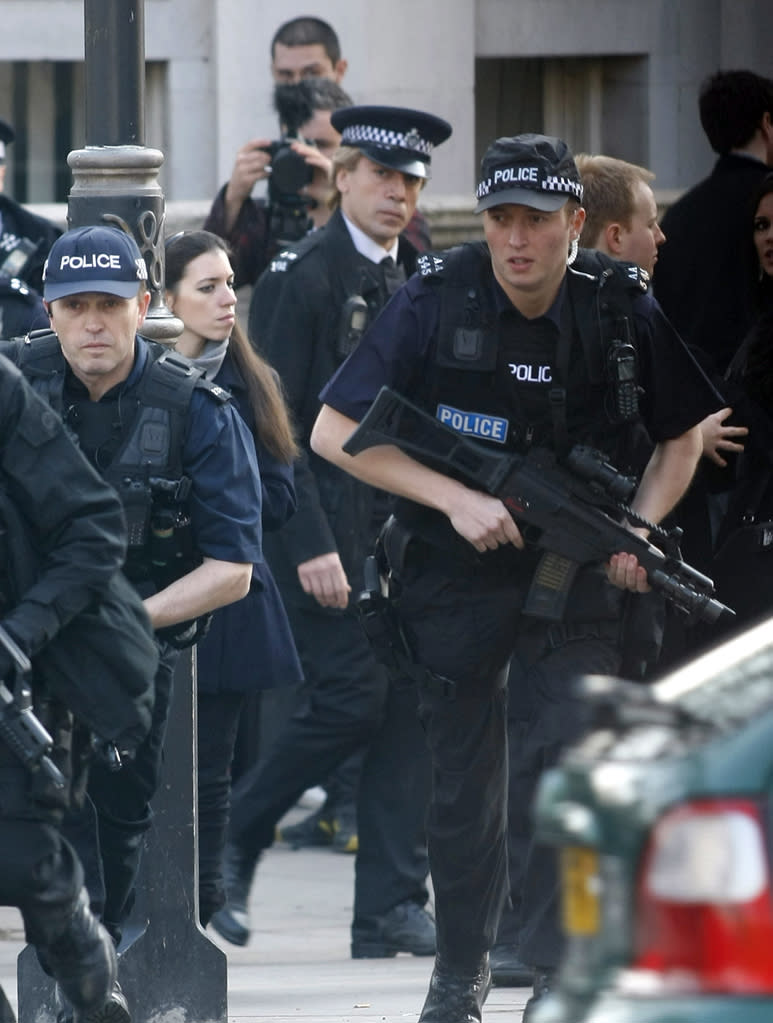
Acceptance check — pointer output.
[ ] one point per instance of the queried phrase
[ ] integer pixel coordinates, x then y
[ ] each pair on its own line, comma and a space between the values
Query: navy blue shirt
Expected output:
219, 457
395, 352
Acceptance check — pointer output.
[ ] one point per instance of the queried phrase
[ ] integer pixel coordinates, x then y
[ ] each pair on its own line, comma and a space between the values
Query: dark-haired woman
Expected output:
249, 645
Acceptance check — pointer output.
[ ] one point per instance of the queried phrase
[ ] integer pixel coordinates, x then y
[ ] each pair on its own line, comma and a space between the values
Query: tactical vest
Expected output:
469, 386
582, 398
146, 466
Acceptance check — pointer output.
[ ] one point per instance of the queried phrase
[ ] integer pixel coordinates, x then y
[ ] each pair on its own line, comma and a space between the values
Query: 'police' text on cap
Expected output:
530, 170
103, 259
394, 137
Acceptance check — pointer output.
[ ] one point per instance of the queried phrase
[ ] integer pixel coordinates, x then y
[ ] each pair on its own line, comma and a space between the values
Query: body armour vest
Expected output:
136, 443
510, 382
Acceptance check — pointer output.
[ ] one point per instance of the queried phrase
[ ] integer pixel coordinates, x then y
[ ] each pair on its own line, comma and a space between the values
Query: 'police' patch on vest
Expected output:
475, 424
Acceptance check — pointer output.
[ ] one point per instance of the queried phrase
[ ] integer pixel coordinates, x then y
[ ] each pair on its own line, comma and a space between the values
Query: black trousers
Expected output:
39, 870
121, 802
217, 726
466, 626
348, 702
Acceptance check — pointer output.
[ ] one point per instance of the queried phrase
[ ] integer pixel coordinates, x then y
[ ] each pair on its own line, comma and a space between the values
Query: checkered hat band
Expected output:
546, 183
556, 184
357, 133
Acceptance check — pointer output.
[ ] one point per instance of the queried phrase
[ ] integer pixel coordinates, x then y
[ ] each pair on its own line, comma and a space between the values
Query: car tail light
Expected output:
704, 919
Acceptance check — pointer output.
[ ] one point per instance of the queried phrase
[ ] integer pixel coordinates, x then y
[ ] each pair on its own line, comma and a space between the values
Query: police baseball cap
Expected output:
86, 259
394, 137
530, 170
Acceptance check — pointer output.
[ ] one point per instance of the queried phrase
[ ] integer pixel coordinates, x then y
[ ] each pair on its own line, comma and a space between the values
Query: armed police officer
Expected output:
184, 466
63, 538
504, 340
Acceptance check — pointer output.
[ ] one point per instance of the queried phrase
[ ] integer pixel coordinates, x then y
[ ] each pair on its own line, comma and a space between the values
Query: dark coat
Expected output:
25, 239
21, 309
295, 319
706, 268
249, 645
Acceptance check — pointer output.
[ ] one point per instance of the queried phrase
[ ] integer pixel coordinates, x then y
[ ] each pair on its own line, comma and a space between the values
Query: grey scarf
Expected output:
211, 358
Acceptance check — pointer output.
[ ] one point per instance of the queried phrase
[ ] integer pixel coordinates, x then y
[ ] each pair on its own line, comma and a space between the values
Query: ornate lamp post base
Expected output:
118, 185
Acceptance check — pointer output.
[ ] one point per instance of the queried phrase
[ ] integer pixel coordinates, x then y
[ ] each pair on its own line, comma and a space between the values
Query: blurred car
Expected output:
663, 818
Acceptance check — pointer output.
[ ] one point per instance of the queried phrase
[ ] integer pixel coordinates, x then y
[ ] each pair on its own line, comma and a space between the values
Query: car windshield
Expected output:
729, 685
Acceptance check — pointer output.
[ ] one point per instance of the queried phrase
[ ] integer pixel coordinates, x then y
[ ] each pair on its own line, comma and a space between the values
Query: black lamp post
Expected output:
115, 177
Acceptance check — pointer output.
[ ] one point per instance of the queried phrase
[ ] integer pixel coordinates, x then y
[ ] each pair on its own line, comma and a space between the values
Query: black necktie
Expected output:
392, 274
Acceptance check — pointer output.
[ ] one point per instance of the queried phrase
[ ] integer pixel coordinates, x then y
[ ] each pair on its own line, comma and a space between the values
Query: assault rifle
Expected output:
19, 727
565, 508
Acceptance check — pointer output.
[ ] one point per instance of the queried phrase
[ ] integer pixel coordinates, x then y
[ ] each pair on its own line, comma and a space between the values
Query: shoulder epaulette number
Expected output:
430, 265
637, 275
220, 394
279, 264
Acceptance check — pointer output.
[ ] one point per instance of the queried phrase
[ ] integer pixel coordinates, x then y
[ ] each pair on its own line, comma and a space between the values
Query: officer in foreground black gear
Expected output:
76, 524
512, 345
184, 465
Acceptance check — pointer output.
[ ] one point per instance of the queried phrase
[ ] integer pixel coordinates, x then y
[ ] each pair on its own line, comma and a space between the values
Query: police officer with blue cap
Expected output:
183, 462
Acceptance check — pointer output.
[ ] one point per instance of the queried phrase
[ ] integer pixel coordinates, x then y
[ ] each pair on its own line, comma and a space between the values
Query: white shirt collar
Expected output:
366, 246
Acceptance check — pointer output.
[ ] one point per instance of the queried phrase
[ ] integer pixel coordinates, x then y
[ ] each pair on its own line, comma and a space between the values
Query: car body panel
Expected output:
705, 732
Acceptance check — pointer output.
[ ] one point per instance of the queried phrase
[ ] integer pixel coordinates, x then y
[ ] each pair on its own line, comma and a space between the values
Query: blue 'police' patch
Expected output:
475, 424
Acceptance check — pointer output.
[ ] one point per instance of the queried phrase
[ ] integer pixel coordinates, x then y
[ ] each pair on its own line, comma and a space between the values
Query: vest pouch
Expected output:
136, 498
171, 552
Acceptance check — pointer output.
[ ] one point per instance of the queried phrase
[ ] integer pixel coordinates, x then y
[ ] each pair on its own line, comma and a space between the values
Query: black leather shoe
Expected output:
507, 970
405, 928
456, 996
82, 959
544, 980
232, 922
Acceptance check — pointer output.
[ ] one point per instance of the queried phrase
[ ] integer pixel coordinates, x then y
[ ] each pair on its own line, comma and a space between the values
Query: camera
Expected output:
289, 171
288, 209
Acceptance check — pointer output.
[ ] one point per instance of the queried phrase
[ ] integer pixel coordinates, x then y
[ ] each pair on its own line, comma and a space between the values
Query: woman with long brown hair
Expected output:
249, 646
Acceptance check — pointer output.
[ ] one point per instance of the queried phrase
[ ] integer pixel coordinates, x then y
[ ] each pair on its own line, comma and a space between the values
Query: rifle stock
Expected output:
560, 509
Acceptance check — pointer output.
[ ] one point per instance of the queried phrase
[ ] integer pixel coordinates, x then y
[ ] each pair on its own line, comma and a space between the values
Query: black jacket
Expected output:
706, 268
295, 320
25, 239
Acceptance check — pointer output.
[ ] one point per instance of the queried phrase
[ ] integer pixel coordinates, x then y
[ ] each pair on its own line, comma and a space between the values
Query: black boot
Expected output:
507, 969
407, 927
455, 995
232, 922
82, 960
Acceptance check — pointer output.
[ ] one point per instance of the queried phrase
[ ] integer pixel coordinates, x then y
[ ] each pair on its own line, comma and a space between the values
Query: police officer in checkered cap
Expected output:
394, 137
309, 310
509, 342
532, 170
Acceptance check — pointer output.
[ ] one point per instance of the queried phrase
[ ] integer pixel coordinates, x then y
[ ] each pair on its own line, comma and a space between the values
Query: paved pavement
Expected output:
297, 965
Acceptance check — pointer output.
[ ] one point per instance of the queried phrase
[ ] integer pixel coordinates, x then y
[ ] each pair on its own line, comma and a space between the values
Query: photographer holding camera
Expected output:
297, 167
306, 57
